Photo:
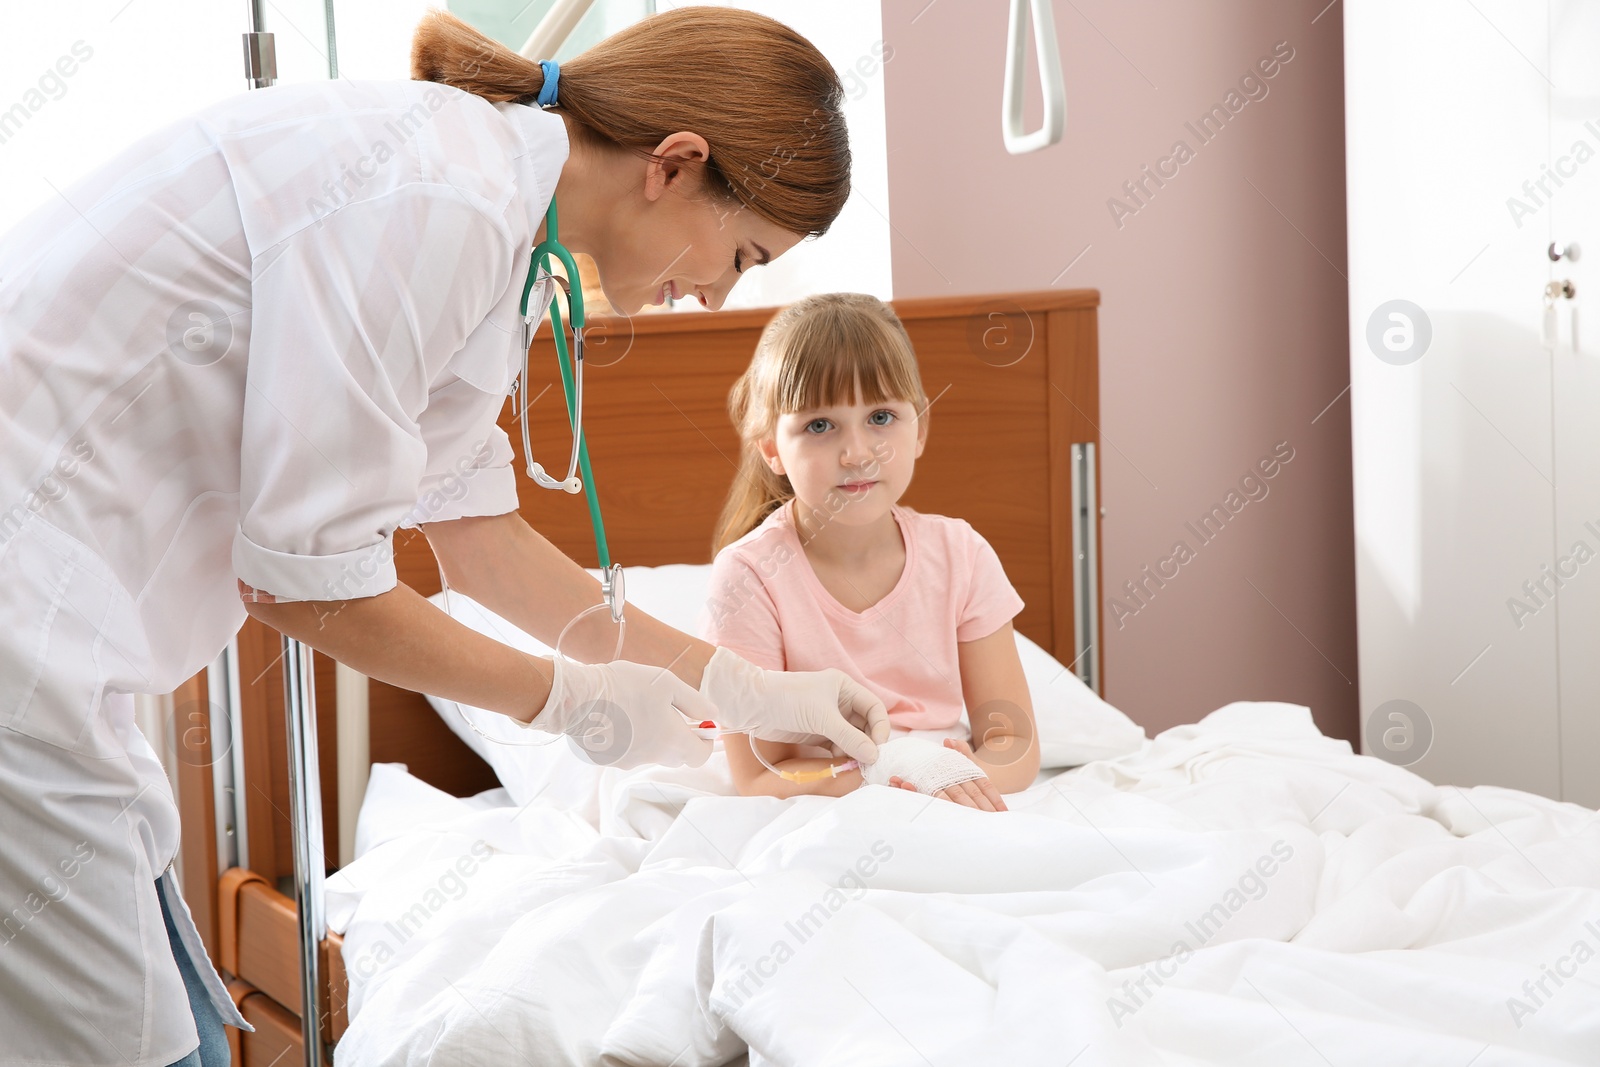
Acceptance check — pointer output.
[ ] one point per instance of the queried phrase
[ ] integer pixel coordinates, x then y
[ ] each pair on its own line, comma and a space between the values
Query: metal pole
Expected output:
305, 812
299, 694
260, 55
221, 683
1086, 565
333, 46
305, 788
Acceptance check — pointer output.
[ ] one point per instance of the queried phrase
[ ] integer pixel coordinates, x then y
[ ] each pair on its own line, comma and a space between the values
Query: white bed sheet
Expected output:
1239, 891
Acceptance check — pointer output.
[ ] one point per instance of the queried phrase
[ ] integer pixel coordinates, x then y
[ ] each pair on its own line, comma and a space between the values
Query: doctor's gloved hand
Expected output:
625, 714
799, 707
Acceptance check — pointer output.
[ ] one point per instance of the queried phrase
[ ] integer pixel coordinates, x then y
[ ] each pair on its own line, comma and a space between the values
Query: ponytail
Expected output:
766, 101
757, 489
447, 50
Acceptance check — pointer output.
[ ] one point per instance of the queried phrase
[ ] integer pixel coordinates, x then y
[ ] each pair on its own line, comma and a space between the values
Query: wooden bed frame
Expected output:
1014, 384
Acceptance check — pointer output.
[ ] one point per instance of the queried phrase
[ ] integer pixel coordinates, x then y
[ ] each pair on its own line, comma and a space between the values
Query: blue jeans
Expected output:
213, 1050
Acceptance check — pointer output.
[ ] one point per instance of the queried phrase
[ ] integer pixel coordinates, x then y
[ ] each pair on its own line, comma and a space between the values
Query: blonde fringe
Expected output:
817, 352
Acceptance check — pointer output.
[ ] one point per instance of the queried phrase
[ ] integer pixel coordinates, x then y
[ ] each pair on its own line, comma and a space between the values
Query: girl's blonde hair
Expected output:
768, 104
817, 352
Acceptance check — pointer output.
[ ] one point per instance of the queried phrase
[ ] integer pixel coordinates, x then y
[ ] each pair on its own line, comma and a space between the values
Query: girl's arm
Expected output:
754, 780
742, 615
1005, 739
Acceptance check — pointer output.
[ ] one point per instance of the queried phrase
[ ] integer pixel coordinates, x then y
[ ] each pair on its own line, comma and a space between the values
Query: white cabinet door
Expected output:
1447, 112
1575, 218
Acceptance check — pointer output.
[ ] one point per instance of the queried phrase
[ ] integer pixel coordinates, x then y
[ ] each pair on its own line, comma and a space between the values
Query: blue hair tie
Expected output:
552, 77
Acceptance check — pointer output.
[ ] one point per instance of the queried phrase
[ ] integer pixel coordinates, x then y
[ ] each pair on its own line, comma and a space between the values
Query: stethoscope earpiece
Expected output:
572, 485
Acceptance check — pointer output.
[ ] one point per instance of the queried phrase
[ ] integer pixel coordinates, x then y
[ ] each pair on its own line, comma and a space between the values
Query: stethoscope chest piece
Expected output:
611, 587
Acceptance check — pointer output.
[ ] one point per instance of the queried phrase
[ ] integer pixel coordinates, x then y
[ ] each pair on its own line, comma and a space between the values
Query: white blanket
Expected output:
1240, 891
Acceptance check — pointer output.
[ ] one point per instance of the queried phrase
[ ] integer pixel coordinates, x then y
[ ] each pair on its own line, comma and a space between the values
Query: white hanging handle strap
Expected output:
554, 29
1050, 82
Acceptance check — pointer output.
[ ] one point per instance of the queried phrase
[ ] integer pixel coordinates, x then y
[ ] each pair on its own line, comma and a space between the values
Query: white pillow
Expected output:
531, 763
527, 762
1075, 725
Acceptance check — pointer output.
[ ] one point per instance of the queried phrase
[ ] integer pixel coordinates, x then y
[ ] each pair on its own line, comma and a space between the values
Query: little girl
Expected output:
819, 566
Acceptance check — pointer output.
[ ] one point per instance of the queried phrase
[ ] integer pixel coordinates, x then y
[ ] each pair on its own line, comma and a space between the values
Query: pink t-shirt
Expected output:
767, 604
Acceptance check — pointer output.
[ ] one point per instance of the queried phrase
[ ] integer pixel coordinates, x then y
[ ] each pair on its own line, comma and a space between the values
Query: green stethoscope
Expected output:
572, 385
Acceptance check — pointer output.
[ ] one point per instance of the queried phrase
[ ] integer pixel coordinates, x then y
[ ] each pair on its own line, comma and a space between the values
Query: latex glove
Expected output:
927, 765
799, 707
625, 714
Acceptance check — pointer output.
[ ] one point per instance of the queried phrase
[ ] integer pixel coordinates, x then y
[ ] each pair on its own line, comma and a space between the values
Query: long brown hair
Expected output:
817, 352
768, 104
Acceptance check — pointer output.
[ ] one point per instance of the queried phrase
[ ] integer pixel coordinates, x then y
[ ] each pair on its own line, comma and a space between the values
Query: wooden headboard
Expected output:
1014, 384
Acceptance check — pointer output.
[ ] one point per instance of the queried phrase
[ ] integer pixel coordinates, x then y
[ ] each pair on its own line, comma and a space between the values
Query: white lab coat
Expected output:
252, 345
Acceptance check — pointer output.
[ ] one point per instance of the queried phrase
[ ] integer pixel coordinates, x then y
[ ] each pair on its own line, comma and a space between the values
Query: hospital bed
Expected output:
1242, 890
1013, 449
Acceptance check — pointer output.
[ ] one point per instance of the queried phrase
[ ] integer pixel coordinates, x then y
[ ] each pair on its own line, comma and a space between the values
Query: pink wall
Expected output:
1223, 318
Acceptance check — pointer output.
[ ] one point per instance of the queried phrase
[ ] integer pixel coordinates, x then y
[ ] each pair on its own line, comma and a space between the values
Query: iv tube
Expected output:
544, 738
833, 770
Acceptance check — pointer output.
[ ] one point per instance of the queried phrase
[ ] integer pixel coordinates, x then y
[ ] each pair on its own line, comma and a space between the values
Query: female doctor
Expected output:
237, 357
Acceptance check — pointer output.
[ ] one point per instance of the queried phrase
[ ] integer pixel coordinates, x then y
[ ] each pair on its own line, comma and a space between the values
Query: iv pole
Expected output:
299, 692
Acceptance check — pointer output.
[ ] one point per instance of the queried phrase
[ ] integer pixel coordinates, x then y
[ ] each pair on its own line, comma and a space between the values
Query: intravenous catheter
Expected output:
709, 729
832, 770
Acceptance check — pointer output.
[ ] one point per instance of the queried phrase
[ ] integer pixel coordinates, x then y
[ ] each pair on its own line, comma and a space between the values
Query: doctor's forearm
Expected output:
514, 571
399, 638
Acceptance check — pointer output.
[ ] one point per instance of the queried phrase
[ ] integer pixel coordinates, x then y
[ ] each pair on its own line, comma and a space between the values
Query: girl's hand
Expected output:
979, 793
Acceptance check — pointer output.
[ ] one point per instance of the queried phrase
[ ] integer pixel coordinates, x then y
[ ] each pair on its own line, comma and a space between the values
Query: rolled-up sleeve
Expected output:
353, 321
469, 469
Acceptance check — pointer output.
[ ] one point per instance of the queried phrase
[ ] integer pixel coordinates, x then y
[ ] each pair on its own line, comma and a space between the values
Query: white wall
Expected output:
1222, 316
136, 66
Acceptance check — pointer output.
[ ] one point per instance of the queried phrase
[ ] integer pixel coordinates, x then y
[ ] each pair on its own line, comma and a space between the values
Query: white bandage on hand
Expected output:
926, 764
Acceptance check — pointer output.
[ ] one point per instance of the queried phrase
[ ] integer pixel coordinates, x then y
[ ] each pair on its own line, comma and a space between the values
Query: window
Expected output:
77, 87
